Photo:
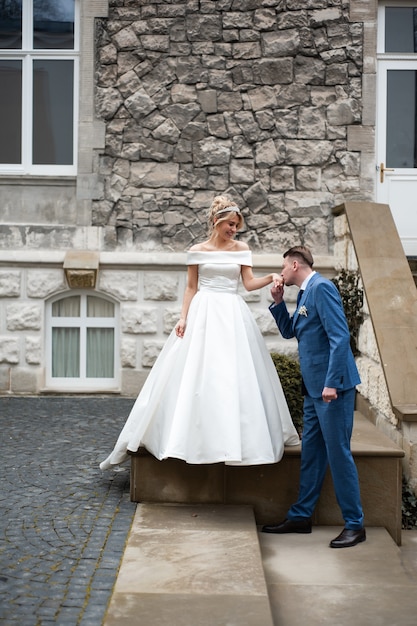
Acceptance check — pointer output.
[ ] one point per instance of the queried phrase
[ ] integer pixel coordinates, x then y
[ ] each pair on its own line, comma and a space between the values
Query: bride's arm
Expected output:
189, 293
251, 282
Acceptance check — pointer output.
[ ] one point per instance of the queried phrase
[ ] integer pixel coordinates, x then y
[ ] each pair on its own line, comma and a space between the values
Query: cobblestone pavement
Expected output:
63, 522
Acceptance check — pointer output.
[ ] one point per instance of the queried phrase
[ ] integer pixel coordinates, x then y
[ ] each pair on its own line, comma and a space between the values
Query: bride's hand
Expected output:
277, 280
277, 290
180, 328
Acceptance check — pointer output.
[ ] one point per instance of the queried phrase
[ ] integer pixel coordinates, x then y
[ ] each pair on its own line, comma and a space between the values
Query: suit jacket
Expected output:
320, 326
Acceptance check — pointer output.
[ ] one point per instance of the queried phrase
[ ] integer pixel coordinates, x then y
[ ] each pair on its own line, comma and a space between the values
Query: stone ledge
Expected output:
271, 489
142, 260
406, 412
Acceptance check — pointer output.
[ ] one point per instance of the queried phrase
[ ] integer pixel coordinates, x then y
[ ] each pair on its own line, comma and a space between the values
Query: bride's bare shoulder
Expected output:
200, 247
241, 246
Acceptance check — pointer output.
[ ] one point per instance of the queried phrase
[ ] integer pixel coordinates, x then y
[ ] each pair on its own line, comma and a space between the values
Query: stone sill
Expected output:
142, 260
43, 180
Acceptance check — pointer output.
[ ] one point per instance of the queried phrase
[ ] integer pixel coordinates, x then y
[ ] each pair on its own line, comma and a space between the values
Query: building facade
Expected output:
124, 118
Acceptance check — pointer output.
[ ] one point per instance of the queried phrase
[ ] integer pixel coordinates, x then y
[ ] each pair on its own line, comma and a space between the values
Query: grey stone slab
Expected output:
193, 517
204, 558
371, 584
200, 562
186, 610
298, 559
343, 605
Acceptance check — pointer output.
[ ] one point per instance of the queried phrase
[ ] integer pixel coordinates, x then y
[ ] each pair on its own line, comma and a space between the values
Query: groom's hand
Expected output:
277, 292
329, 394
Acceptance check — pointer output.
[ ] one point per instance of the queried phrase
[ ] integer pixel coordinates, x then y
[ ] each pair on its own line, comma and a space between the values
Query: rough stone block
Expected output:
10, 281
43, 282
139, 320
150, 352
23, 317
161, 286
33, 346
123, 285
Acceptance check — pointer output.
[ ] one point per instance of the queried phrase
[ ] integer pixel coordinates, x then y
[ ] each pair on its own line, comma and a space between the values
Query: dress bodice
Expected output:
219, 271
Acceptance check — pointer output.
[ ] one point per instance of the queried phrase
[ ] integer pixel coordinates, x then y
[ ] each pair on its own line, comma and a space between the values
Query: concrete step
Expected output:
191, 565
271, 489
206, 565
371, 584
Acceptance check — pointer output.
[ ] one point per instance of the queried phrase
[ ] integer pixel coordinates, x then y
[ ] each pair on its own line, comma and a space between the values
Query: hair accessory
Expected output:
229, 209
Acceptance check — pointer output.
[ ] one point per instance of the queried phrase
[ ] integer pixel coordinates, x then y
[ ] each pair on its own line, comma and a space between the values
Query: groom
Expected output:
329, 377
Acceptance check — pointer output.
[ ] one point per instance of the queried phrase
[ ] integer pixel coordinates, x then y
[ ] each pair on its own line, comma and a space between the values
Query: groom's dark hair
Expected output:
301, 253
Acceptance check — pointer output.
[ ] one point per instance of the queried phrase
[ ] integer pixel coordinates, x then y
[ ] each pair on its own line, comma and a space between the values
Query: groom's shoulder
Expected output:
323, 284
318, 278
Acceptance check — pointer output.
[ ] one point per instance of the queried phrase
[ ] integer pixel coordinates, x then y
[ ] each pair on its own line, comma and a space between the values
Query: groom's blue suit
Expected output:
326, 360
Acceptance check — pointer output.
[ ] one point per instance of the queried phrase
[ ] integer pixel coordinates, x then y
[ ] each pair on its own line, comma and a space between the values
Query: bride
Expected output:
213, 394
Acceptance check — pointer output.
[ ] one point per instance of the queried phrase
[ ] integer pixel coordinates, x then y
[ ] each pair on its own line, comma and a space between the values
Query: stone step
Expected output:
207, 565
271, 489
186, 565
371, 584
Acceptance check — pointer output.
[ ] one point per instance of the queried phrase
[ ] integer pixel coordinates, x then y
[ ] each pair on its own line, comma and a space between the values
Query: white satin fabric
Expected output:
214, 395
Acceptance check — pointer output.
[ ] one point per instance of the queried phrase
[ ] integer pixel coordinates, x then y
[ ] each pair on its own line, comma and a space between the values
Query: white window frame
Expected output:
398, 186
82, 383
27, 55
381, 29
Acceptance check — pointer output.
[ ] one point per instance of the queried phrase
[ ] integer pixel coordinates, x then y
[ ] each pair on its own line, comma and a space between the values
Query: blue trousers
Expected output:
326, 438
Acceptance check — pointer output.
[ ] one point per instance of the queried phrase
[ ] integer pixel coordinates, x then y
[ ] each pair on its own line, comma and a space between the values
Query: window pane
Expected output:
401, 118
66, 352
11, 24
10, 111
100, 352
400, 29
97, 307
53, 112
53, 24
67, 307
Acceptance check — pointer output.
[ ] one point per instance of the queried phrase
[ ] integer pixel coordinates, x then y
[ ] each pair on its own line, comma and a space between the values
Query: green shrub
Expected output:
288, 369
348, 283
409, 507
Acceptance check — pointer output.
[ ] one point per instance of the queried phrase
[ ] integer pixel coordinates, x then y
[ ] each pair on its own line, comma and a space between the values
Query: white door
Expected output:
397, 118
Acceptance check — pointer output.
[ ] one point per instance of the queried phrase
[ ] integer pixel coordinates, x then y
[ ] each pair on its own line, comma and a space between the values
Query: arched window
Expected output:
82, 343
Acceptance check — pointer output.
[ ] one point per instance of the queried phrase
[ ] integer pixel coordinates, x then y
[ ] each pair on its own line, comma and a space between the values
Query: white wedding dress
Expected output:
214, 395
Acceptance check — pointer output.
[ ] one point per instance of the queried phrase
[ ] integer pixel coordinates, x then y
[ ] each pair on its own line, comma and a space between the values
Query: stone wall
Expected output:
255, 99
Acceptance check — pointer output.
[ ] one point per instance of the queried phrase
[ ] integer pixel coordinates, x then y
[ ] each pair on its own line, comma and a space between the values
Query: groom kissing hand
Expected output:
329, 379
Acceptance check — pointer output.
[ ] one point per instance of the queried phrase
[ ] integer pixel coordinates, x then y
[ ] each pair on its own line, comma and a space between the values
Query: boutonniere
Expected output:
302, 311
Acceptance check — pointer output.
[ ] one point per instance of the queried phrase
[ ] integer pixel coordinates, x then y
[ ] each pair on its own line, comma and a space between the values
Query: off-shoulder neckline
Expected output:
219, 251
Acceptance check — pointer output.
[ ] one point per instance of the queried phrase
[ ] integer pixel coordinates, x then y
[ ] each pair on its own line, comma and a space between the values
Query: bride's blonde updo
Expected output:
218, 212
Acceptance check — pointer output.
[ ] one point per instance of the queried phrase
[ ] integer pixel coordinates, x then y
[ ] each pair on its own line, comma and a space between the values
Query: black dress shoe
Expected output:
348, 538
289, 526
